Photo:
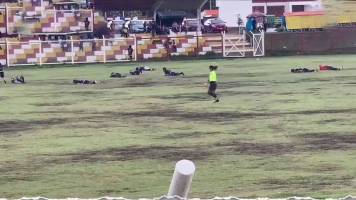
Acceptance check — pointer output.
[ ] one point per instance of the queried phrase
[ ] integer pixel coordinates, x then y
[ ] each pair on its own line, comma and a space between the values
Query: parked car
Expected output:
118, 25
137, 26
191, 25
215, 26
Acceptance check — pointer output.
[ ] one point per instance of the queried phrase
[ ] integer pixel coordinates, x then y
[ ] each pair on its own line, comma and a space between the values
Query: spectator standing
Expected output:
109, 25
130, 52
81, 44
174, 46
87, 23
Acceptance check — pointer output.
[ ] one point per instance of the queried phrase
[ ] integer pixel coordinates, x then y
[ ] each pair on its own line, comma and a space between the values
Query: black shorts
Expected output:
2, 74
213, 86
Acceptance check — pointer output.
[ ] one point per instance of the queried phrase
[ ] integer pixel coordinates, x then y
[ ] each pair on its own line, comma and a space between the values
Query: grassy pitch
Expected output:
274, 134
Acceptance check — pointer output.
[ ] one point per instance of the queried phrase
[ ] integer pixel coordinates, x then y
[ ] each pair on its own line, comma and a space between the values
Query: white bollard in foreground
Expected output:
182, 179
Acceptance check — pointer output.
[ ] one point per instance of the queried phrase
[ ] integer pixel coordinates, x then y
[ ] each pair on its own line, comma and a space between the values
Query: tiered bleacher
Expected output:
36, 32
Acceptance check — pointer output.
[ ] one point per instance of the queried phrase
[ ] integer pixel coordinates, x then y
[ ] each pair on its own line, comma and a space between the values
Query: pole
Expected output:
135, 47
182, 179
92, 20
104, 45
223, 43
55, 20
72, 48
7, 19
199, 21
7, 53
40, 50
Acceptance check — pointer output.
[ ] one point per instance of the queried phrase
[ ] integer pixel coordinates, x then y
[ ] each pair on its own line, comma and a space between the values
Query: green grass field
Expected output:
274, 134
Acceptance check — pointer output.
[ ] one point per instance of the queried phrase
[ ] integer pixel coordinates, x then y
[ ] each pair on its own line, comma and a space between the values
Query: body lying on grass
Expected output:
85, 82
117, 75
18, 80
2, 73
321, 68
140, 70
328, 68
168, 72
302, 70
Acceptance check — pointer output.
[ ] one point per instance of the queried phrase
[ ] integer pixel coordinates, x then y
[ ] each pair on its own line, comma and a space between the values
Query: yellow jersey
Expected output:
212, 76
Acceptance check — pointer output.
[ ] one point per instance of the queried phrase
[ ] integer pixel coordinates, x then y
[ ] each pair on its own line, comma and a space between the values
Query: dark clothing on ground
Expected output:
116, 75
140, 70
168, 72
85, 82
137, 71
302, 70
18, 80
2, 73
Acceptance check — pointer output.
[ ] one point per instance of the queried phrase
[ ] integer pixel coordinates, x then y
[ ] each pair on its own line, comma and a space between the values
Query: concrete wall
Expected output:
329, 41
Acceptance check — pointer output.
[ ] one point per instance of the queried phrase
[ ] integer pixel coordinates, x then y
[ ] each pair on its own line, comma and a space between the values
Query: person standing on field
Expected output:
213, 83
2, 73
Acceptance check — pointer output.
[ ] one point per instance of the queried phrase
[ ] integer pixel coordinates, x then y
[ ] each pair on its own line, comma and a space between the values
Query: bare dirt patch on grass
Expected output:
194, 134
14, 127
52, 104
133, 153
256, 149
328, 141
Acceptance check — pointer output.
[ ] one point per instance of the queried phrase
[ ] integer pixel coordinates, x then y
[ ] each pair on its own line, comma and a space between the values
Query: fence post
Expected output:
182, 179
263, 44
104, 45
7, 53
55, 20
93, 19
72, 48
135, 48
40, 50
223, 43
7, 18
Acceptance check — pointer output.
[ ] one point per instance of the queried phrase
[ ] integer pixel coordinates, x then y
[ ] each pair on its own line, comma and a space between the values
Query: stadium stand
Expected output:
57, 31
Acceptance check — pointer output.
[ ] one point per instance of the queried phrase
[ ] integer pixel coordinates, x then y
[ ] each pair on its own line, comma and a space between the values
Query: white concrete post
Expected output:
40, 51
72, 48
135, 46
104, 47
55, 20
223, 44
182, 179
7, 53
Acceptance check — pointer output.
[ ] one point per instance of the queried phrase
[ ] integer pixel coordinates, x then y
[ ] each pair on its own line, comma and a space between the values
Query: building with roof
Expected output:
230, 10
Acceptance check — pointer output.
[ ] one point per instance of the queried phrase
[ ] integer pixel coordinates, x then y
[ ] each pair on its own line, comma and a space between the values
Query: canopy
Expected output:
171, 14
256, 14
68, 1
183, 5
